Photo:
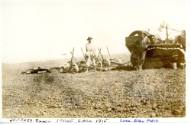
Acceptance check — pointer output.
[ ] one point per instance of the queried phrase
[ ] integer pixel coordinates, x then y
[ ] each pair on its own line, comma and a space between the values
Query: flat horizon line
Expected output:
56, 59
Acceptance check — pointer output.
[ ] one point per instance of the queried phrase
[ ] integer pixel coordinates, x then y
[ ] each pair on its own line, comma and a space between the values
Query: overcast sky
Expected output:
46, 29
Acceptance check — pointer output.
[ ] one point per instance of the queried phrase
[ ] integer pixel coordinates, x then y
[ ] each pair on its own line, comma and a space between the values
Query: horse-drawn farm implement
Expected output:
152, 54
147, 51
103, 63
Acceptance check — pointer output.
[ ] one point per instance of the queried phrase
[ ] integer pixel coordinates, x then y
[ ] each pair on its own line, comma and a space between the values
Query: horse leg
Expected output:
141, 60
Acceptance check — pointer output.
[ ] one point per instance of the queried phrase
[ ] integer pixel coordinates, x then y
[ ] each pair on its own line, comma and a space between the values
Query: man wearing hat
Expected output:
90, 54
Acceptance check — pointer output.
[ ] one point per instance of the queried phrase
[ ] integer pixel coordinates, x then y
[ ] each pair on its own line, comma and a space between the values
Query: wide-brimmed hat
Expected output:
89, 38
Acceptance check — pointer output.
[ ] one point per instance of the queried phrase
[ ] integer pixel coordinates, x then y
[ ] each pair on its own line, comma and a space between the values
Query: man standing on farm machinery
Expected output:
181, 39
90, 54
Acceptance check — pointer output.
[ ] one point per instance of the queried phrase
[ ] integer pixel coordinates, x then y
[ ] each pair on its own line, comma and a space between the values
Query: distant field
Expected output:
148, 93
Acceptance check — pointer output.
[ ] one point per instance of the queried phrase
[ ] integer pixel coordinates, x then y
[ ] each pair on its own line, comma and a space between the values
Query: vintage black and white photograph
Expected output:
93, 58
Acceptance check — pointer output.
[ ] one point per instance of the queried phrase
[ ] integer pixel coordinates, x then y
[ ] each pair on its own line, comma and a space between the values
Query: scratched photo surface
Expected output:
93, 58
